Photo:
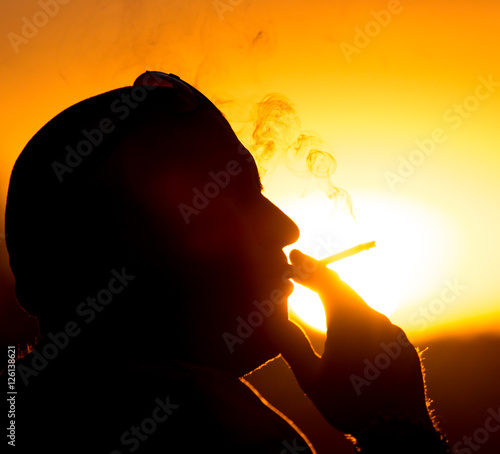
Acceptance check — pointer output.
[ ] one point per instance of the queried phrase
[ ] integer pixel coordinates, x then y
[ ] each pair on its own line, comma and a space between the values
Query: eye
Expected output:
254, 189
246, 186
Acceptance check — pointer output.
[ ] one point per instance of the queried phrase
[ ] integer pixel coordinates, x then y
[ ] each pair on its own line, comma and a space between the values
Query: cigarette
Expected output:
347, 253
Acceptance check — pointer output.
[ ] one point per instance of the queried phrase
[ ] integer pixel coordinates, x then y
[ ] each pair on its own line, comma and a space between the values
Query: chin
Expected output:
258, 362
256, 351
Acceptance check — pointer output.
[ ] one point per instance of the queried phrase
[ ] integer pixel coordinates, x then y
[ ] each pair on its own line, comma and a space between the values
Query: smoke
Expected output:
276, 138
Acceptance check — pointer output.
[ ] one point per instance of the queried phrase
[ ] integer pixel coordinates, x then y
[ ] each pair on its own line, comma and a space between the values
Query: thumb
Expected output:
316, 277
310, 272
335, 294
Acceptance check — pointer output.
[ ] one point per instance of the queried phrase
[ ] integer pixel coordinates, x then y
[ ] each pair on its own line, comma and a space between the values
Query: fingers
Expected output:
349, 319
368, 364
308, 271
338, 298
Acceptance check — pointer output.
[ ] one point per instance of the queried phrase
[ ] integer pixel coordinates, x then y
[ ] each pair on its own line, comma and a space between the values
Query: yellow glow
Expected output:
413, 244
440, 223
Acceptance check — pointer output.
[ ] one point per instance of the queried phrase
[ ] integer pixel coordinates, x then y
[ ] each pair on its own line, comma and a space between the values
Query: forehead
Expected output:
201, 140
187, 151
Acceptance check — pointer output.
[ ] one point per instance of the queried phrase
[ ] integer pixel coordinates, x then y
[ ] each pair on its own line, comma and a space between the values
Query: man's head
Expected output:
151, 178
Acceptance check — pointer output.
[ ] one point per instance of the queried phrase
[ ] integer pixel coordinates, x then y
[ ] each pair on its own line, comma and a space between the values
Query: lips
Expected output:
287, 286
281, 269
279, 275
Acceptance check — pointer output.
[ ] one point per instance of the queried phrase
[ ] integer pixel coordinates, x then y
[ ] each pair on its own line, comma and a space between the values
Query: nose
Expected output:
278, 228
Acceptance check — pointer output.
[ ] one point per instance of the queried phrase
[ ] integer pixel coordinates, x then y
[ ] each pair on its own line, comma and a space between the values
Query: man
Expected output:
139, 235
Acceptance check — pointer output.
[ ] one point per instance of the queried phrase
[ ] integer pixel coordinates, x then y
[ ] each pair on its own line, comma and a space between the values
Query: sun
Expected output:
391, 274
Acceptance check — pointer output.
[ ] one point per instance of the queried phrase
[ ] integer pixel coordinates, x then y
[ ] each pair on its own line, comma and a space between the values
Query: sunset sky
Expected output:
404, 94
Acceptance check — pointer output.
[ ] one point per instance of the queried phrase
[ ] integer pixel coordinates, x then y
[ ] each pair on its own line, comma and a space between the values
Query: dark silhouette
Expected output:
139, 236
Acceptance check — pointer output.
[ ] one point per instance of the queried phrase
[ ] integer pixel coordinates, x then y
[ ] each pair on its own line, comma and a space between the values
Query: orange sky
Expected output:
416, 75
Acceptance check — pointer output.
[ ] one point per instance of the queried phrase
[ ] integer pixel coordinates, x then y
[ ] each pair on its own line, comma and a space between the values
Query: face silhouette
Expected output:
199, 217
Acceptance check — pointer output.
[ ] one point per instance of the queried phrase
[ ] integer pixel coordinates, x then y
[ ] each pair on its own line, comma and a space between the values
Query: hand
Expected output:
368, 366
